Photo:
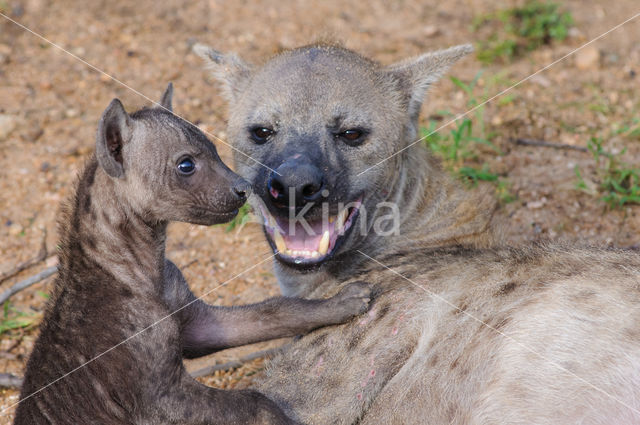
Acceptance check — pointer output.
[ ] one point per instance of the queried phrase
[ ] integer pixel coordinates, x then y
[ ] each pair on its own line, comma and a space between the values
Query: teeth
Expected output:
281, 246
323, 246
302, 253
342, 217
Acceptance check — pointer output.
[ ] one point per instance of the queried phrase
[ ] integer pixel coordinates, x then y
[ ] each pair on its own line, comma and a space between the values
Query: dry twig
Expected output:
208, 370
23, 284
544, 144
7, 380
42, 255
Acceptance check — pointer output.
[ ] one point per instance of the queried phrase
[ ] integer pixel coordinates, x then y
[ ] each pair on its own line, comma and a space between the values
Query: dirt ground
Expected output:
50, 103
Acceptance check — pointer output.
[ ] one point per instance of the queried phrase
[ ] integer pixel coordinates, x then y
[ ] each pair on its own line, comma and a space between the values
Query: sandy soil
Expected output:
50, 104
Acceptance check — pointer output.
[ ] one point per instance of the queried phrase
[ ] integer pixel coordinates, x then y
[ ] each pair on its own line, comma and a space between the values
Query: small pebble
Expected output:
8, 123
430, 31
587, 58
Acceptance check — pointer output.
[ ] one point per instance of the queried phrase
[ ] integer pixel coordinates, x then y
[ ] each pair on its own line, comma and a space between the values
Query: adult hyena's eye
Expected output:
186, 166
352, 136
261, 135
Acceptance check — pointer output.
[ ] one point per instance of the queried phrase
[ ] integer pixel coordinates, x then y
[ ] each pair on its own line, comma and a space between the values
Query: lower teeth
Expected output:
306, 254
294, 253
323, 245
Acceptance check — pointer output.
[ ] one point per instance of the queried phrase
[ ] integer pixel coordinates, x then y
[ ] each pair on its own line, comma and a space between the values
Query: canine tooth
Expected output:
281, 246
289, 252
323, 246
314, 254
342, 217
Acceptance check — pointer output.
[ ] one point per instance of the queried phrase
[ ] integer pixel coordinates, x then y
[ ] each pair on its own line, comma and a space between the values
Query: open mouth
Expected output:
307, 242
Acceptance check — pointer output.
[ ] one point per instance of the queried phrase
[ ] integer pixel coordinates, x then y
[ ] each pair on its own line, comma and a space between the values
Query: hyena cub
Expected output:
121, 315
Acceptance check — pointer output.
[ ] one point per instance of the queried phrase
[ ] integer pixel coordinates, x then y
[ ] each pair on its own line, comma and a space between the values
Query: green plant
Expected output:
506, 99
14, 319
473, 101
43, 295
618, 181
475, 175
630, 129
503, 191
461, 141
243, 217
580, 184
458, 148
522, 29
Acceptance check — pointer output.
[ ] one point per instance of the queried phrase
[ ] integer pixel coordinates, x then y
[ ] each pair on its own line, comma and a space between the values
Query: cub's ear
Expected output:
229, 69
114, 131
417, 74
167, 98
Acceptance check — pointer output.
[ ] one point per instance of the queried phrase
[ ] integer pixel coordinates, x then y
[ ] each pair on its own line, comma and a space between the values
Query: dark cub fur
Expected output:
121, 316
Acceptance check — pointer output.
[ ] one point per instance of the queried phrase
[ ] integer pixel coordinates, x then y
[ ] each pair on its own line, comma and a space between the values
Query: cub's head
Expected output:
318, 130
165, 168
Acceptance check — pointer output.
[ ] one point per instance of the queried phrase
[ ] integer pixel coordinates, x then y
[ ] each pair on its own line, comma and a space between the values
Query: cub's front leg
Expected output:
206, 328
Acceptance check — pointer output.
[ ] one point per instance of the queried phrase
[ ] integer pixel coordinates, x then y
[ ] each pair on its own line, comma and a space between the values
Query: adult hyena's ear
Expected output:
417, 74
114, 130
167, 98
229, 69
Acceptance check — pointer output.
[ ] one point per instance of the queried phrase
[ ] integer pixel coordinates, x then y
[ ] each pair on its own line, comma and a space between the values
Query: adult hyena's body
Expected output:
456, 335
535, 335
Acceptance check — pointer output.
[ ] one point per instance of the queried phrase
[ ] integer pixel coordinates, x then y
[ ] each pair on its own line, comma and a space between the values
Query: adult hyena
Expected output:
460, 332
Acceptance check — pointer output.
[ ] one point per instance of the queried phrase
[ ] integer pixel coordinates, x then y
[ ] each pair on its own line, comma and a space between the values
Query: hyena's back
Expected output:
542, 335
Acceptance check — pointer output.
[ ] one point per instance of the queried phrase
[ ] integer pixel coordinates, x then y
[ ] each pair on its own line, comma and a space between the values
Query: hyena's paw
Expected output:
352, 300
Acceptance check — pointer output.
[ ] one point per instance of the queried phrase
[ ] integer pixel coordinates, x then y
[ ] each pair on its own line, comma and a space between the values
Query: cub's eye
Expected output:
261, 135
186, 166
352, 137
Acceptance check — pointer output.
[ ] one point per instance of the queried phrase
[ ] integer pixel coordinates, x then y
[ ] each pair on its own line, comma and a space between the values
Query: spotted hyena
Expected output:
462, 330
121, 315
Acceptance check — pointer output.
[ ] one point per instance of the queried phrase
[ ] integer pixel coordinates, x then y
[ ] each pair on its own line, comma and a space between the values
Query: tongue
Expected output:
304, 237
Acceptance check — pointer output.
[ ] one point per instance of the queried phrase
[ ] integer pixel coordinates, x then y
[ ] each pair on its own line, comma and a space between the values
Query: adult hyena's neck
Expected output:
101, 230
435, 210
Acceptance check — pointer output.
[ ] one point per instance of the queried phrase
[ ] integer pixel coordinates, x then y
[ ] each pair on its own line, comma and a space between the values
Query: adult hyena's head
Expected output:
316, 130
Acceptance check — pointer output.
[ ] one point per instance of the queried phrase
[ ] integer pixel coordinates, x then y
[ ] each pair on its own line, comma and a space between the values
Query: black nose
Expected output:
242, 189
295, 183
